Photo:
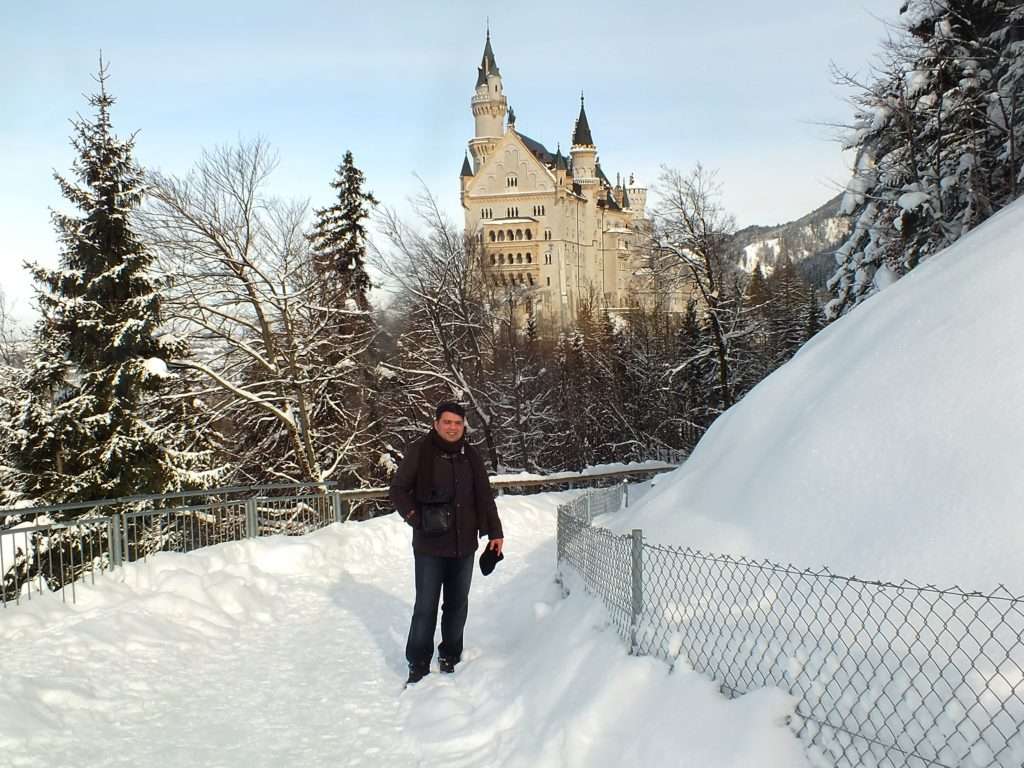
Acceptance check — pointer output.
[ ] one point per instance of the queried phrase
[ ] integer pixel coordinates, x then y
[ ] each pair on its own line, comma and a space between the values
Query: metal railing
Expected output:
883, 674
51, 549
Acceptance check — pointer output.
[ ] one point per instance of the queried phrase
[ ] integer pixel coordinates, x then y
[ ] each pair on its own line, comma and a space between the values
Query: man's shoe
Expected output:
416, 673
447, 665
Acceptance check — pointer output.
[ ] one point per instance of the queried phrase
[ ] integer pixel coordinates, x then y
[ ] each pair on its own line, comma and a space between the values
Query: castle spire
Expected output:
466, 169
581, 133
488, 66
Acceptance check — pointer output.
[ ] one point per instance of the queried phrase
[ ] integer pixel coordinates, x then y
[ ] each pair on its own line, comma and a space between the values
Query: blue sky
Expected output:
739, 86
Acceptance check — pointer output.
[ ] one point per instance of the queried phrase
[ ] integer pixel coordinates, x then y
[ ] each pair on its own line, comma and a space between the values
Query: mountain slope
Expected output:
809, 242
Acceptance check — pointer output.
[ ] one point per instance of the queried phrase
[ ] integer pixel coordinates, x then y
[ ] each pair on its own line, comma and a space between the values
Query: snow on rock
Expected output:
889, 447
290, 651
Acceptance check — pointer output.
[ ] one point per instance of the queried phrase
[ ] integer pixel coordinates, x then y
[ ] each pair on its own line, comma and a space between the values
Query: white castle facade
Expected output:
554, 226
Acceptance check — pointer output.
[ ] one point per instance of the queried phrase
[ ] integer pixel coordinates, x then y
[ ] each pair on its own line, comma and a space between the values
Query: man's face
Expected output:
450, 426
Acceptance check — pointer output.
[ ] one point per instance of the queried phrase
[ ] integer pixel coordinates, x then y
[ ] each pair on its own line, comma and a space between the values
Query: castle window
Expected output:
549, 281
511, 181
529, 259
547, 234
547, 258
519, 258
501, 237
492, 237
529, 277
529, 235
519, 234
510, 235
493, 260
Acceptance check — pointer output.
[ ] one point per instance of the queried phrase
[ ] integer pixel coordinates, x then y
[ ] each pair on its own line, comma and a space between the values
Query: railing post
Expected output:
336, 504
251, 520
637, 582
625, 494
125, 551
114, 537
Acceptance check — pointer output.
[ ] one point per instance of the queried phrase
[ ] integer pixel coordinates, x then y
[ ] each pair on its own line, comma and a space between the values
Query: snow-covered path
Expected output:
291, 652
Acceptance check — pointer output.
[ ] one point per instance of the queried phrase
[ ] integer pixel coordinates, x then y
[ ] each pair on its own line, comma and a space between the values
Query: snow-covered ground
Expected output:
290, 651
889, 447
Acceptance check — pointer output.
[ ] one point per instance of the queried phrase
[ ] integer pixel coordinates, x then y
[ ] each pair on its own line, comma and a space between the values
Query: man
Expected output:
441, 490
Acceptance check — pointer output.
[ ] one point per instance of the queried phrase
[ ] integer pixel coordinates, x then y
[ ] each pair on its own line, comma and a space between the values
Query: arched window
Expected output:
519, 234
492, 237
510, 235
529, 235
493, 260
501, 258
529, 276
529, 259
501, 236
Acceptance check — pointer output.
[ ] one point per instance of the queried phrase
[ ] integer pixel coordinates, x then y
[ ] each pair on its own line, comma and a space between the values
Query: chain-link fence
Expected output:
883, 674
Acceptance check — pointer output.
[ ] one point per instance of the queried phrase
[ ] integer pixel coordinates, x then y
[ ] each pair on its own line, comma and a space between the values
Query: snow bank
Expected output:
889, 447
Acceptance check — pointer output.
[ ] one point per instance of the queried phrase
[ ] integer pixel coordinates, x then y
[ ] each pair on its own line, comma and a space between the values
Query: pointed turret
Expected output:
488, 66
585, 169
581, 133
560, 162
489, 107
625, 197
466, 169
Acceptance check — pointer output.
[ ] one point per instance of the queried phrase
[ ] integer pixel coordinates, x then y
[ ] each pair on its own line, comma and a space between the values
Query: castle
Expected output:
553, 226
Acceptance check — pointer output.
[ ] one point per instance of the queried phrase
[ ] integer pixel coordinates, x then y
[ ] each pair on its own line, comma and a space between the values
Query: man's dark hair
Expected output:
452, 407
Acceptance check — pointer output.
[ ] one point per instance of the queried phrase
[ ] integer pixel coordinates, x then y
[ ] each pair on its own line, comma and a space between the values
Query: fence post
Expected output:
637, 581
114, 537
125, 551
338, 506
251, 520
625, 494
590, 516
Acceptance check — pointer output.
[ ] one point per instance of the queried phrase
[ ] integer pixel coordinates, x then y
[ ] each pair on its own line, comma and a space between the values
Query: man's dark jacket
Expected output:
453, 478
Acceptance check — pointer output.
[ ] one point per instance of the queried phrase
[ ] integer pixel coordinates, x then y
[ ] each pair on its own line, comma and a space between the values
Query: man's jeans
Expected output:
432, 574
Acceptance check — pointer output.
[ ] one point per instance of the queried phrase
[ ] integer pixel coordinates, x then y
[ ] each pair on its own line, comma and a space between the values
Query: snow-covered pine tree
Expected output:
937, 136
338, 238
89, 431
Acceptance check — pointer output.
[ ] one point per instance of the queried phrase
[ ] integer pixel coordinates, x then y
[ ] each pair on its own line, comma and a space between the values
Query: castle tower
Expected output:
489, 106
583, 152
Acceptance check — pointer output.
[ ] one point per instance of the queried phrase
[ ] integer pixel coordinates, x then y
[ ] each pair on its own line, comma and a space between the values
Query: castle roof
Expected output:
488, 66
466, 169
581, 133
539, 151
625, 197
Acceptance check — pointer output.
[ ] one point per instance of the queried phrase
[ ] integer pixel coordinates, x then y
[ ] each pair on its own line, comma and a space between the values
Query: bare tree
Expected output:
448, 334
243, 291
11, 336
690, 242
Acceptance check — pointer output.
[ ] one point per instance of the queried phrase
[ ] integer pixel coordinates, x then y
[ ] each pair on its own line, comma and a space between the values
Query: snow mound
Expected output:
889, 447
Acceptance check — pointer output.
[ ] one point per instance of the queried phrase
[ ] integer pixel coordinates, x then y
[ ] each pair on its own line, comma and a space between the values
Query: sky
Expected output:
742, 87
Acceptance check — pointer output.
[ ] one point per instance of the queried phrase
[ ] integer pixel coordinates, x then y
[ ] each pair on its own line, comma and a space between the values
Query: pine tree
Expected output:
937, 140
89, 427
338, 238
